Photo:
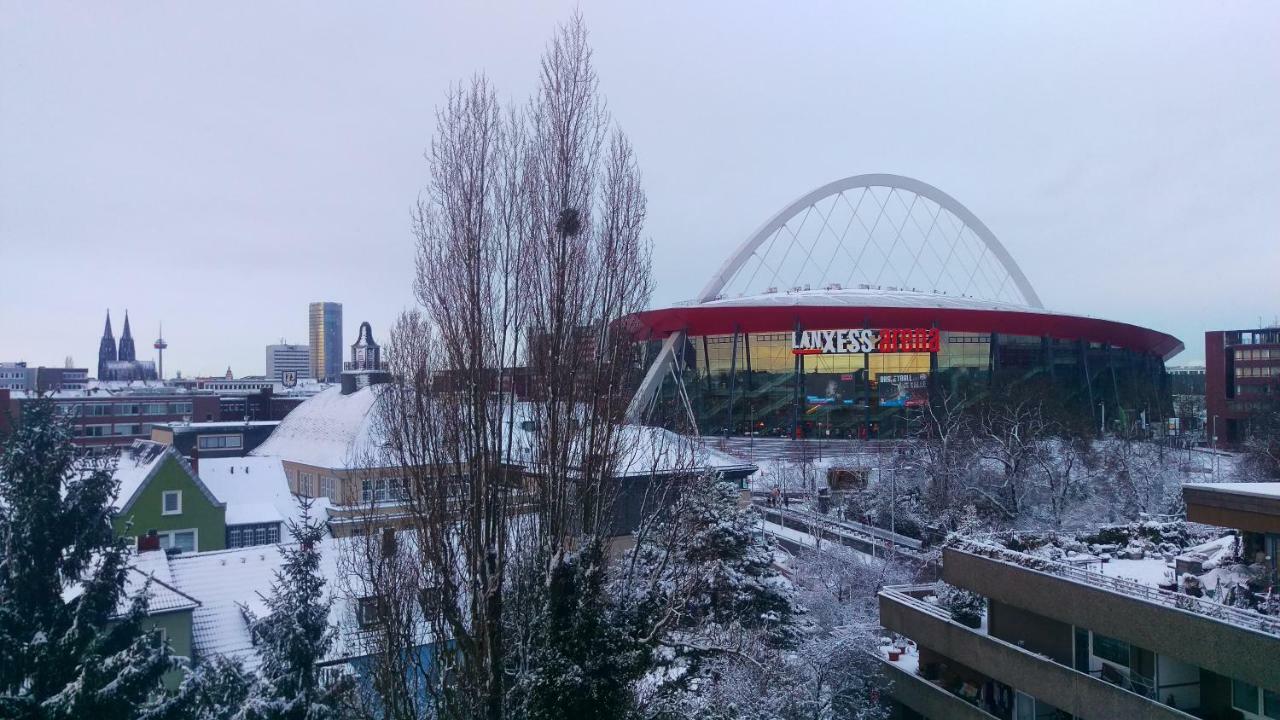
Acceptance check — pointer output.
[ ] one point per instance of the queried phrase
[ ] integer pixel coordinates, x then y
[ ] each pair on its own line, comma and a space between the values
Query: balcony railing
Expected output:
1011, 664
1266, 624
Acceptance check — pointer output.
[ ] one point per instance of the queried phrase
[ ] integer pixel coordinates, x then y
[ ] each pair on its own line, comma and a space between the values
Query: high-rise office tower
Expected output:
284, 358
326, 340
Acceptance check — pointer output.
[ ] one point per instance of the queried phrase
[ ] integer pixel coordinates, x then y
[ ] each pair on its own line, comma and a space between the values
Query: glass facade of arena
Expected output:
754, 383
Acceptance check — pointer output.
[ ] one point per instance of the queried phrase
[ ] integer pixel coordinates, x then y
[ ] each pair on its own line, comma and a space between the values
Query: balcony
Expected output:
1218, 638
928, 698
1078, 693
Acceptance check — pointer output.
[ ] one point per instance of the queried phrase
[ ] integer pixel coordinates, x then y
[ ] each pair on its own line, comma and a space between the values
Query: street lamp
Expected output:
1215, 448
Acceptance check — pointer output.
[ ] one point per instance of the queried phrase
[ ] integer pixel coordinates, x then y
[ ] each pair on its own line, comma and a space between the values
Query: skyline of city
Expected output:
1129, 186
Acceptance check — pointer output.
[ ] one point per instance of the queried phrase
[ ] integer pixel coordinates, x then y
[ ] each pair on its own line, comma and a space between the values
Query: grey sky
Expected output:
216, 167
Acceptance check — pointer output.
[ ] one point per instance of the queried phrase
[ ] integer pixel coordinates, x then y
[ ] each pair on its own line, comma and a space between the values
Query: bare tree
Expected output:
529, 254
1009, 432
945, 444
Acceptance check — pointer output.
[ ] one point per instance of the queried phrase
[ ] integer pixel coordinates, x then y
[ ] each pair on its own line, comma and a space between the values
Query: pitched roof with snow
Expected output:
139, 462
232, 586
162, 595
255, 490
330, 430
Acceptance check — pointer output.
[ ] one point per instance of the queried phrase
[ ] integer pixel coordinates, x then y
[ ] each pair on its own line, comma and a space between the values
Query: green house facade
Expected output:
161, 496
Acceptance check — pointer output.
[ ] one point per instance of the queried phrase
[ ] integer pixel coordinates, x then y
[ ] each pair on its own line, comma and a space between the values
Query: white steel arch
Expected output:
771, 229
959, 227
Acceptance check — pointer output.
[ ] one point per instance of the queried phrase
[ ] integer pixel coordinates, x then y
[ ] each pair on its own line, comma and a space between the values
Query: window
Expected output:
306, 484
1110, 649
249, 535
367, 611
158, 637
97, 430
221, 442
172, 500
378, 490
1271, 704
180, 540
1244, 696
328, 487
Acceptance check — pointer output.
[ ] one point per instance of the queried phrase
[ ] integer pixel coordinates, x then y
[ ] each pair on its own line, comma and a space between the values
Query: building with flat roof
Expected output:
108, 416
199, 441
325, 334
1123, 625
288, 361
1242, 378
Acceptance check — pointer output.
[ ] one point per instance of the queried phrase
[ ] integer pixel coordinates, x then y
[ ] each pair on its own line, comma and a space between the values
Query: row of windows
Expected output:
221, 442
1266, 371
116, 430
250, 535
1257, 354
119, 409
377, 490
1254, 337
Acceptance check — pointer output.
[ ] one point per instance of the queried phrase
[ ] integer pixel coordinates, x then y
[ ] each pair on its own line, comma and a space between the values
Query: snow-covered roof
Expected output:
329, 430
229, 582
180, 428
649, 450
224, 581
136, 465
163, 596
143, 568
255, 489
1260, 489
868, 297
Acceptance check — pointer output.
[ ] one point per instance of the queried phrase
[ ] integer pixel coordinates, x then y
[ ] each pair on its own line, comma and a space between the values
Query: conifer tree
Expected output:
296, 636
71, 643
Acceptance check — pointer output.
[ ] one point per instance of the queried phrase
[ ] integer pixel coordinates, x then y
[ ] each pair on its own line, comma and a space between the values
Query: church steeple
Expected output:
127, 351
106, 349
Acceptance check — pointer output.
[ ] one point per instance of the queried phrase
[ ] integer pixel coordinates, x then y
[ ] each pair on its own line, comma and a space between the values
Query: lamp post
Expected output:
1102, 424
1215, 448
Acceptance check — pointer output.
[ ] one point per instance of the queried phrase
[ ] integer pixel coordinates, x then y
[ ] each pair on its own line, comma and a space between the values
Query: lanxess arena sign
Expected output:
864, 340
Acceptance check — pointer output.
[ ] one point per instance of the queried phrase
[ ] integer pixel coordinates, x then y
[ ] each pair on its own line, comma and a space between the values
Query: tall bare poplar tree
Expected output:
529, 252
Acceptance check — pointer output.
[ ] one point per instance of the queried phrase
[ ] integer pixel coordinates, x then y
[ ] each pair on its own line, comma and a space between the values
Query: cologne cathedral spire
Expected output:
127, 351
106, 348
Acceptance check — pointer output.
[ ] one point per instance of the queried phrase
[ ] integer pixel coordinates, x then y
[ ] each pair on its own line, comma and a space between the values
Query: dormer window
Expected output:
171, 502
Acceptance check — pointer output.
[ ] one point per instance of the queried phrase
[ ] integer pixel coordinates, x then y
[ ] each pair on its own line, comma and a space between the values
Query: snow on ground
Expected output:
1150, 571
786, 533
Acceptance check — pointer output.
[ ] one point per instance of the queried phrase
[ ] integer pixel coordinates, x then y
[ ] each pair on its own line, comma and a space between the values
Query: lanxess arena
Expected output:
867, 299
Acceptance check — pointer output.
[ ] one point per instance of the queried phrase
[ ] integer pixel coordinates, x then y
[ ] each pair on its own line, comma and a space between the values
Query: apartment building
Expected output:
1101, 636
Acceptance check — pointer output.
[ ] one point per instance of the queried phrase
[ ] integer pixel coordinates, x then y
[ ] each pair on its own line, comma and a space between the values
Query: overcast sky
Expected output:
216, 167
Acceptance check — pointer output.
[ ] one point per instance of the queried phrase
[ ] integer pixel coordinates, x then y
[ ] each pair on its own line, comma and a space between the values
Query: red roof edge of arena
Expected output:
702, 320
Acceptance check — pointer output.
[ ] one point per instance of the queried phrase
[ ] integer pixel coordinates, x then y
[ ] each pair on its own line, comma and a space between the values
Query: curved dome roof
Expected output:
330, 430
888, 308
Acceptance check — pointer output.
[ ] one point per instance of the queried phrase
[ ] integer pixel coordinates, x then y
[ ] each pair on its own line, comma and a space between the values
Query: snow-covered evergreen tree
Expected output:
71, 644
213, 690
584, 657
713, 550
295, 637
